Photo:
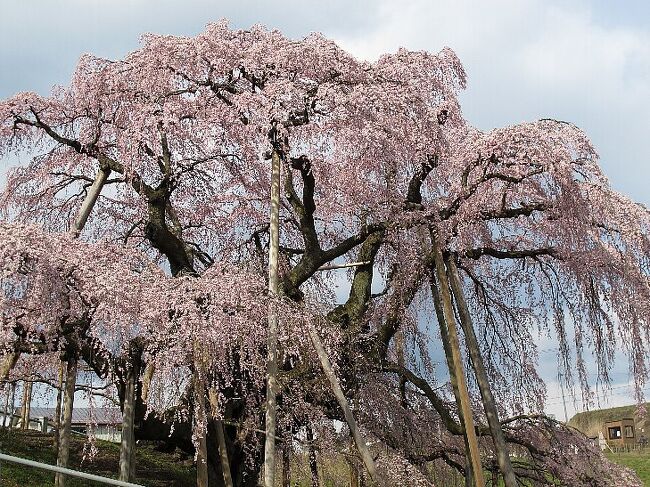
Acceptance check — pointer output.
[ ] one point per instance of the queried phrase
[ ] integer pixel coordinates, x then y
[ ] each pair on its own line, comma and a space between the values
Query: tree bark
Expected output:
64, 433
448, 312
127, 446
272, 341
503, 456
343, 403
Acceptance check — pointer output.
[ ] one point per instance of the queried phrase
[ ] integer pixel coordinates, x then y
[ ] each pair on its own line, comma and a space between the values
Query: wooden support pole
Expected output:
28, 405
91, 199
444, 335
201, 421
71, 366
5, 411
12, 405
23, 406
272, 339
221, 438
330, 267
343, 403
66, 426
57, 409
127, 446
313, 461
286, 466
503, 457
450, 319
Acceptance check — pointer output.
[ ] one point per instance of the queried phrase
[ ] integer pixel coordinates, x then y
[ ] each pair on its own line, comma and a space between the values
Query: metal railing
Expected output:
66, 471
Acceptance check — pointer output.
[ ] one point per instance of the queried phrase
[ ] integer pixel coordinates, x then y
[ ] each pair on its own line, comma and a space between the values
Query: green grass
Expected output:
639, 461
153, 468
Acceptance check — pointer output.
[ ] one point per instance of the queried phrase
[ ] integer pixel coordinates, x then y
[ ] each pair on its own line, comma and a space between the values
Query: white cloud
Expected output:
532, 59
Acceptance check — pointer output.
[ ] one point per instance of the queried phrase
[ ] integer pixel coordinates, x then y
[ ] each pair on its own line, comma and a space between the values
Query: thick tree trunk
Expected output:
57, 409
503, 457
245, 466
343, 403
64, 432
313, 461
127, 447
272, 341
448, 312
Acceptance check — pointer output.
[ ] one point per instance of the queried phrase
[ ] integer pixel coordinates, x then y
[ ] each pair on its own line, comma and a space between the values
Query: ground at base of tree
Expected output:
155, 468
159, 469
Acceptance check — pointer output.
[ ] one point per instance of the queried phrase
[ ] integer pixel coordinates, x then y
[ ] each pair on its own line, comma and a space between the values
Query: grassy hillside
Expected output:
157, 469
590, 422
154, 469
639, 461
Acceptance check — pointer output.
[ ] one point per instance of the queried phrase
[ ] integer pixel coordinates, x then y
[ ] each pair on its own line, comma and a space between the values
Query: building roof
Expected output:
80, 415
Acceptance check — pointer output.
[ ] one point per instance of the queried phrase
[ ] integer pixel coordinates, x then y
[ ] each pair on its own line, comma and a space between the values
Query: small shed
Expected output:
620, 434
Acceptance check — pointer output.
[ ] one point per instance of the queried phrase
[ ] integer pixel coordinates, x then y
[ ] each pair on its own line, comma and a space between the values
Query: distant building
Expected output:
106, 422
620, 434
616, 428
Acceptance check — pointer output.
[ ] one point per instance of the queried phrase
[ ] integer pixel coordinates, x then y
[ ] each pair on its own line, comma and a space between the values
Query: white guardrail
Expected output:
67, 471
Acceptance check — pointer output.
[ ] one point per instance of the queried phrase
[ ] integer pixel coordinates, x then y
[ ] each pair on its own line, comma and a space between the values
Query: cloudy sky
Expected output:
587, 62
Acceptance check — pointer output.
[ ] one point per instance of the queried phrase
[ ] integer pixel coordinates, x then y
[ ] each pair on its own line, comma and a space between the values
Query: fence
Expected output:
67, 471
